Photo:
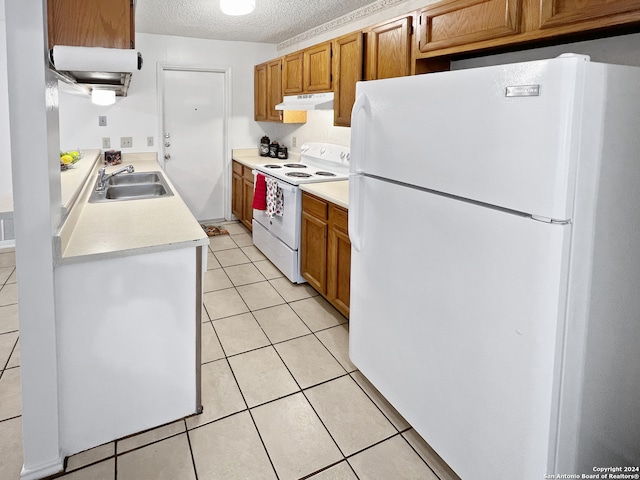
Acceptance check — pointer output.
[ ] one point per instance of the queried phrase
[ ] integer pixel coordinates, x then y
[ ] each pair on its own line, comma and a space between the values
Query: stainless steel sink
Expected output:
135, 178
132, 186
128, 192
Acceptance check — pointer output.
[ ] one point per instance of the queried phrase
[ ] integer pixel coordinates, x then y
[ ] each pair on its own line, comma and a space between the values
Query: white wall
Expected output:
5, 145
137, 116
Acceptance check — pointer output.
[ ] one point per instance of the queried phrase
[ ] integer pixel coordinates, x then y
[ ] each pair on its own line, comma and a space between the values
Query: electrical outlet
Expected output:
149, 141
126, 142
294, 142
102, 121
106, 142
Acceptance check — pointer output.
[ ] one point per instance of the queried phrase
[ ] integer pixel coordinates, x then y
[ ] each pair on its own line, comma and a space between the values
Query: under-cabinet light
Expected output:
103, 97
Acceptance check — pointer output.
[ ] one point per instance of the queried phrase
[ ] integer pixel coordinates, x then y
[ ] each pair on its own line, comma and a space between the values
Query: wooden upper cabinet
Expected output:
91, 23
555, 13
388, 49
274, 89
457, 22
260, 92
292, 73
347, 70
317, 68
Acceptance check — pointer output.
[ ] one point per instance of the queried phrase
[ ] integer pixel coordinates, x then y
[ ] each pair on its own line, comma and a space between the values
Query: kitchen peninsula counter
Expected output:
131, 227
129, 277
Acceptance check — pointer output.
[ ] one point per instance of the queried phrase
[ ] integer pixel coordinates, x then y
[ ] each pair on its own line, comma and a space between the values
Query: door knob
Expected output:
167, 144
166, 135
167, 156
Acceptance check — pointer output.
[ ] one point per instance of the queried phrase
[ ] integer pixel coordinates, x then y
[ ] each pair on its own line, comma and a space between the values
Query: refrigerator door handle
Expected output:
356, 210
359, 120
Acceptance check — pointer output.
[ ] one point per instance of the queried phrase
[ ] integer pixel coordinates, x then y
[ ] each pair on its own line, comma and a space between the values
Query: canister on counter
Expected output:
282, 152
273, 149
264, 146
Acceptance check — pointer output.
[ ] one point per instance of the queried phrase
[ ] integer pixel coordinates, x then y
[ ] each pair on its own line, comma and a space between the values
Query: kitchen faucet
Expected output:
102, 178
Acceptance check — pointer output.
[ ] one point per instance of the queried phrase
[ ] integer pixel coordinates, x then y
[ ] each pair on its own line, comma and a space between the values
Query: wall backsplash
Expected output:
319, 128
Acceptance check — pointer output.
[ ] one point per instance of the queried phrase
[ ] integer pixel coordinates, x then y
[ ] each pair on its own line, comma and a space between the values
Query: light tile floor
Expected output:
281, 398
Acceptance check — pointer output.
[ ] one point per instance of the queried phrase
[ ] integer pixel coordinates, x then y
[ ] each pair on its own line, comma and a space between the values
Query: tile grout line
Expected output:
255, 425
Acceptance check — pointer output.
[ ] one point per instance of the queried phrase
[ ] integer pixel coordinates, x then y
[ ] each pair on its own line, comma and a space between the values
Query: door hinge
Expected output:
411, 30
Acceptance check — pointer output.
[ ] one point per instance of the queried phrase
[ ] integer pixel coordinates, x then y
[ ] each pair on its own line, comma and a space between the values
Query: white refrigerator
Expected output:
494, 215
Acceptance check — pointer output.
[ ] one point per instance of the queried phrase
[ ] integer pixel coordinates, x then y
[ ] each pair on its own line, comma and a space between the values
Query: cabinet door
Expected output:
292, 73
247, 202
565, 12
274, 89
237, 193
389, 50
339, 260
317, 68
260, 92
313, 242
95, 23
450, 23
347, 68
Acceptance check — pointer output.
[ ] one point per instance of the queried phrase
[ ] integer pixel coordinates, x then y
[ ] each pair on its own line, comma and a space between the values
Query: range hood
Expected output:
311, 101
96, 67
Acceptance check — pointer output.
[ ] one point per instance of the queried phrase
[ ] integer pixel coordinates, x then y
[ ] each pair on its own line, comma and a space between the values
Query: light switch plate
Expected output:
149, 141
102, 121
106, 142
294, 142
126, 142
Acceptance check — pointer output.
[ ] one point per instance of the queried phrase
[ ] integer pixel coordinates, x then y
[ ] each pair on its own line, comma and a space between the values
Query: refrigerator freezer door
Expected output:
462, 133
456, 320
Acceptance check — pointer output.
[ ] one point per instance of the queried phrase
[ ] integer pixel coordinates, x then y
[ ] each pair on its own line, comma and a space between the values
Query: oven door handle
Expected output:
281, 185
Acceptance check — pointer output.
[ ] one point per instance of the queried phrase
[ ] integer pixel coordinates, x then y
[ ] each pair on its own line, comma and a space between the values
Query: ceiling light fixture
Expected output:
237, 7
103, 97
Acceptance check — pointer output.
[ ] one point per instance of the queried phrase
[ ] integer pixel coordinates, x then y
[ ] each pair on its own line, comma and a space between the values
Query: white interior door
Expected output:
194, 120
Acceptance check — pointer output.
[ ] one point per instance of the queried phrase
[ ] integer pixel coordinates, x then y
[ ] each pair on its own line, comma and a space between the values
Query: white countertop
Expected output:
115, 229
334, 192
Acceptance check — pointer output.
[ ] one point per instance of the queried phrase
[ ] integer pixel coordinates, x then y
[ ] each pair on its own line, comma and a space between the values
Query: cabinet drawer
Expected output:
314, 206
247, 175
237, 168
339, 218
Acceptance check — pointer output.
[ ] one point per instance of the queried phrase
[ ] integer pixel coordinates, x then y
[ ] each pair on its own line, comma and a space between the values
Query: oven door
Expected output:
287, 227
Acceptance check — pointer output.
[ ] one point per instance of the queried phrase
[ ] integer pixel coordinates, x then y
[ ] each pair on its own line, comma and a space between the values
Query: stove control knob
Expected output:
322, 150
342, 155
348, 156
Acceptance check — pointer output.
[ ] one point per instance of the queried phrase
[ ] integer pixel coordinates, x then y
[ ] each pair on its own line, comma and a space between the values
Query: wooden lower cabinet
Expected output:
325, 250
242, 193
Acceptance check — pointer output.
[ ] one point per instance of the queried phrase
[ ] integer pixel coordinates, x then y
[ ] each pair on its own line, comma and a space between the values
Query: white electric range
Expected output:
278, 237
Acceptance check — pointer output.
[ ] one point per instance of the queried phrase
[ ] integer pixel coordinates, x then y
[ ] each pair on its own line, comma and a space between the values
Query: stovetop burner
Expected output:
295, 165
326, 174
298, 174
271, 165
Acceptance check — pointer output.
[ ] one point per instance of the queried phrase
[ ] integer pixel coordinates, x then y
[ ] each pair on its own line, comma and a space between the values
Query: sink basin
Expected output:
132, 186
125, 192
134, 178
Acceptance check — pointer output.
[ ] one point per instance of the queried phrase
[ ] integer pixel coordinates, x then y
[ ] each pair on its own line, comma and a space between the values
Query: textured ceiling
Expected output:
272, 21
